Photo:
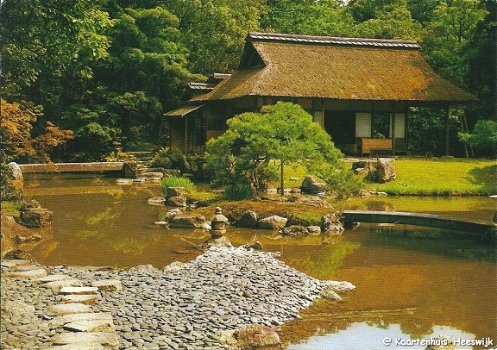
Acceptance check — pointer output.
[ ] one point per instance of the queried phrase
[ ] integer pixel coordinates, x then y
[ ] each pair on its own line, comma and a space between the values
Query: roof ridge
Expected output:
315, 39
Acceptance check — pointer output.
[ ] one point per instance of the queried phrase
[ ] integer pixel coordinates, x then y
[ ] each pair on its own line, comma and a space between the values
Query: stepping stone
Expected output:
90, 326
87, 299
37, 273
56, 286
78, 290
68, 309
27, 267
86, 338
108, 285
53, 278
78, 347
62, 320
11, 263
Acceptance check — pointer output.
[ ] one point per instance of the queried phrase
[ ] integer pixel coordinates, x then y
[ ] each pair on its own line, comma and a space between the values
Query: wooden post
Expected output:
406, 131
186, 133
372, 119
393, 128
447, 132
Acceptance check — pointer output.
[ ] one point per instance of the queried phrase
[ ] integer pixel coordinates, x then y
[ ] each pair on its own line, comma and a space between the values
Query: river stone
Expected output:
68, 309
17, 308
295, 231
75, 318
90, 299
331, 223
314, 230
78, 290
273, 222
85, 338
175, 266
90, 326
176, 201
156, 201
256, 336
108, 285
330, 294
248, 219
339, 286
254, 245
187, 221
147, 268
172, 213
36, 273
153, 175
56, 286
26, 267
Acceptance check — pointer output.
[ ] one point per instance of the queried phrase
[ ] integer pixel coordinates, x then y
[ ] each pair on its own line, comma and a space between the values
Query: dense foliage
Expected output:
108, 69
283, 132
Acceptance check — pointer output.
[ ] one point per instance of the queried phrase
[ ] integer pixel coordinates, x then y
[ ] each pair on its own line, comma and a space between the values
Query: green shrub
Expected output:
238, 191
178, 182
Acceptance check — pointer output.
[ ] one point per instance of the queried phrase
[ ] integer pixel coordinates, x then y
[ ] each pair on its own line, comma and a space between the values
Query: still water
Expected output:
408, 286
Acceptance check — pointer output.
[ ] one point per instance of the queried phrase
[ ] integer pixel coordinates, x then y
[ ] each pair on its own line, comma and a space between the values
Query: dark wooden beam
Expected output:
447, 132
417, 219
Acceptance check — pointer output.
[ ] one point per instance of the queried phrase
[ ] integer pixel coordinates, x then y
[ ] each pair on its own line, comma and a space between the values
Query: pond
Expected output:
408, 286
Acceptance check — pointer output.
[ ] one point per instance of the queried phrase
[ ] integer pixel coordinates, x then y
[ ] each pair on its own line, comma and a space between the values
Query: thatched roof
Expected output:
284, 65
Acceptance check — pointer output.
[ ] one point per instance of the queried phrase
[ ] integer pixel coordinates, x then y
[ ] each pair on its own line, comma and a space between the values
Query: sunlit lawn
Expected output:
426, 177
441, 177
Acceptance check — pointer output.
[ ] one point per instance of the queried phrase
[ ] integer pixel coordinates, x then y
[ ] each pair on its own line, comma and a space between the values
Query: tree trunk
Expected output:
282, 181
466, 154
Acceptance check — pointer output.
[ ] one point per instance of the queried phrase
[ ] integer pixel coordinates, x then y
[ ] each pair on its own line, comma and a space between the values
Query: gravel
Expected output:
185, 307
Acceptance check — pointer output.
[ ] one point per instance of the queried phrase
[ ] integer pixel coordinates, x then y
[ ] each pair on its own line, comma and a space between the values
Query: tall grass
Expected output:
237, 191
178, 182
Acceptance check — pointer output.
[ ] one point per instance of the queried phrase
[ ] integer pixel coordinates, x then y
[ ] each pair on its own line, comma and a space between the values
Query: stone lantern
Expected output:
218, 224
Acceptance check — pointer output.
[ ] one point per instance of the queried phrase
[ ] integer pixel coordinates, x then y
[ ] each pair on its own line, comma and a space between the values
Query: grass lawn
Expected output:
434, 177
441, 177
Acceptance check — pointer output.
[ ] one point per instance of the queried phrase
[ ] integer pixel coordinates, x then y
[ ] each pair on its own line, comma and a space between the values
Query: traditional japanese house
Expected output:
358, 90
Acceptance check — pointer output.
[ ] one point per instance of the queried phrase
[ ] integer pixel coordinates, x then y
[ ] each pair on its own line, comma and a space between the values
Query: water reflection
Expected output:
406, 284
363, 335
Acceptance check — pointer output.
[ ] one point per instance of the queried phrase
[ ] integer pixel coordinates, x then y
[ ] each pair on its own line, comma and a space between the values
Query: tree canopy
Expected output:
108, 69
283, 132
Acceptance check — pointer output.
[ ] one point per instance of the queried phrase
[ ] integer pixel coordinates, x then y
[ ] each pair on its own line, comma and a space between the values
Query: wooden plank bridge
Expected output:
418, 219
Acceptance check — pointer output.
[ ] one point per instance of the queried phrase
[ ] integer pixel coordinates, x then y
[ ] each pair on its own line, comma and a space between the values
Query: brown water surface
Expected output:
407, 286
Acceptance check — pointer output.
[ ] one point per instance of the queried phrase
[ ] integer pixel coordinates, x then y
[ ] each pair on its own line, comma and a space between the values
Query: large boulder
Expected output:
309, 185
187, 221
273, 222
17, 178
386, 169
248, 219
383, 170
36, 217
172, 213
330, 223
175, 191
257, 336
295, 231
176, 201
